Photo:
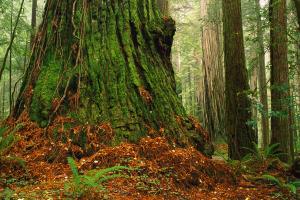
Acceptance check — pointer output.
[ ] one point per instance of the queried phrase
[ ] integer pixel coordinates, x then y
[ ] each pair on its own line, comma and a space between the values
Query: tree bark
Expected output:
10, 58
297, 5
279, 77
238, 106
163, 6
253, 87
262, 80
213, 71
33, 21
107, 62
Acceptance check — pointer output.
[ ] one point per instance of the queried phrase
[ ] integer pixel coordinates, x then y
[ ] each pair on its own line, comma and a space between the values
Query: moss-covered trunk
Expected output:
107, 62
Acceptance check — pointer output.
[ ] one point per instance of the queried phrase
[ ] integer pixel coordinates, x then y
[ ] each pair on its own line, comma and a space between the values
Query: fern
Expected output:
2, 131
93, 179
7, 141
7, 194
292, 186
270, 152
271, 179
74, 170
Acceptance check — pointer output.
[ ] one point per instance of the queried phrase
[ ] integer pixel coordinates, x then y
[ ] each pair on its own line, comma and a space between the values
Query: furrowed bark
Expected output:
107, 62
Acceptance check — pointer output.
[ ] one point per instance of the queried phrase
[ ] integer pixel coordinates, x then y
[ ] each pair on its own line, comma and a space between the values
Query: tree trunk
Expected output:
33, 21
262, 80
279, 77
238, 106
213, 71
297, 5
253, 87
292, 125
10, 58
3, 99
107, 62
163, 6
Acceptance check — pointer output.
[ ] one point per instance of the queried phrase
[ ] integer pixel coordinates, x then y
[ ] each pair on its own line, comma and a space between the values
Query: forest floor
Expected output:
35, 167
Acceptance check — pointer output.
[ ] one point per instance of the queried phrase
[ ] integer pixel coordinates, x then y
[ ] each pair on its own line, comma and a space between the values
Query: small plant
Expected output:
92, 180
262, 159
291, 186
7, 140
270, 152
7, 194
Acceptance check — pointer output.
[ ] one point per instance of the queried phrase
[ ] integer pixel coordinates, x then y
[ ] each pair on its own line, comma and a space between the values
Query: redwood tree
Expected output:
33, 20
107, 62
213, 82
238, 106
279, 77
262, 80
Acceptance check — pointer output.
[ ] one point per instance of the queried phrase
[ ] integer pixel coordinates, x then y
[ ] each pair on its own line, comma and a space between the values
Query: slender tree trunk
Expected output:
253, 87
292, 125
10, 59
3, 100
213, 71
238, 106
298, 89
297, 5
107, 62
262, 80
33, 21
189, 90
279, 77
163, 6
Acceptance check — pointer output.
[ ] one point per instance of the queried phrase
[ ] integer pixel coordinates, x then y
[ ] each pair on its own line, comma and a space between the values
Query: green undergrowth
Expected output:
8, 138
91, 181
272, 180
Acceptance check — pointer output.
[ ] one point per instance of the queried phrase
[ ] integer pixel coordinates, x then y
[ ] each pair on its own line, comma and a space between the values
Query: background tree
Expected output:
163, 6
262, 82
213, 82
279, 77
238, 113
33, 20
297, 5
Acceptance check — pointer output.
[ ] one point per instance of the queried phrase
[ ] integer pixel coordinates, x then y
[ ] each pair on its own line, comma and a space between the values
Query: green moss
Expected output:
120, 53
45, 91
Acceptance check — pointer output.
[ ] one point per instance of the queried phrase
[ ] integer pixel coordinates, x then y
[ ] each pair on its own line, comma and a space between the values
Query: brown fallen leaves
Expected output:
160, 170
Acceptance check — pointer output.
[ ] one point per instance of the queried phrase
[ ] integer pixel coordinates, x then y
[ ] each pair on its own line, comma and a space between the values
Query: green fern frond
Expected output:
92, 179
271, 179
3, 130
74, 170
113, 176
271, 151
296, 183
102, 172
291, 187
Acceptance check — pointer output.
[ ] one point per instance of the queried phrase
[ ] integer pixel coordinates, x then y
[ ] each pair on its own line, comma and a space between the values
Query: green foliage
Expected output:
269, 153
6, 194
6, 141
92, 180
271, 179
291, 186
